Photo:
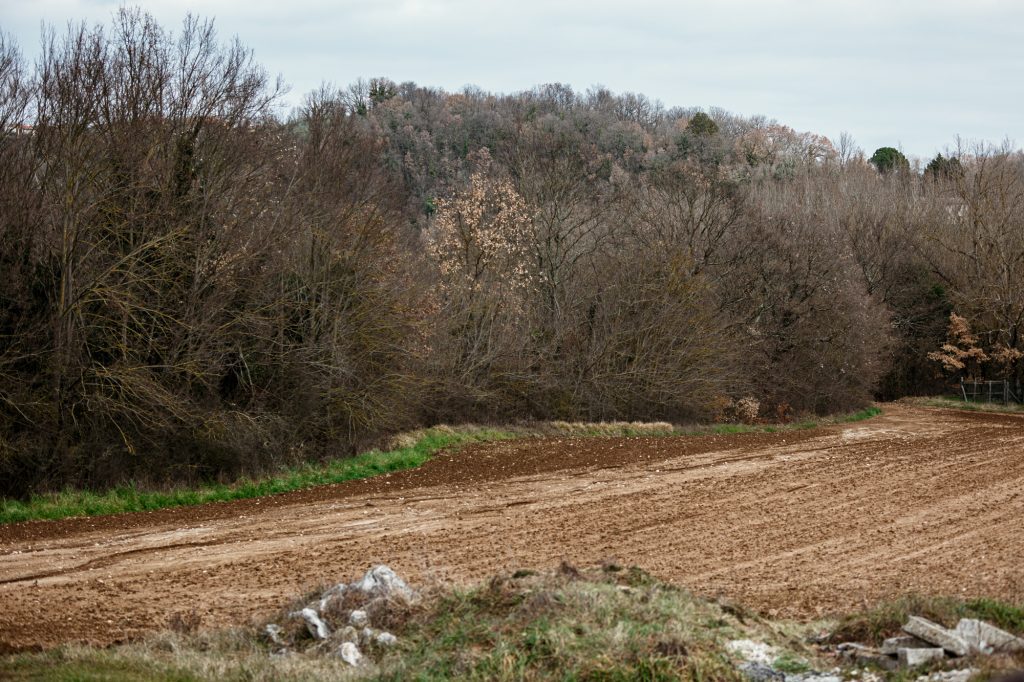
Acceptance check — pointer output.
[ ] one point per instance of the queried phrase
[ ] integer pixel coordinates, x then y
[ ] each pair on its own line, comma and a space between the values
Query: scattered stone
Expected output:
274, 634
358, 618
891, 646
844, 647
381, 581
751, 651
349, 653
937, 635
821, 637
760, 672
865, 655
868, 676
386, 639
814, 677
316, 627
876, 660
912, 658
986, 638
948, 676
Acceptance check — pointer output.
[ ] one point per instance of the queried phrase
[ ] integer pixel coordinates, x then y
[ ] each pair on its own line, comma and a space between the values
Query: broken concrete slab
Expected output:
912, 658
935, 634
986, 638
865, 655
876, 660
892, 645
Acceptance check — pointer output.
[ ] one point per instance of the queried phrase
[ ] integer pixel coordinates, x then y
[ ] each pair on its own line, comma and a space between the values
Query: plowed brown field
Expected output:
798, 523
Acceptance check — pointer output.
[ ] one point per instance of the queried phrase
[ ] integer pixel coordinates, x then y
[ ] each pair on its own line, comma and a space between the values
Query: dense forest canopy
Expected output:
193, 286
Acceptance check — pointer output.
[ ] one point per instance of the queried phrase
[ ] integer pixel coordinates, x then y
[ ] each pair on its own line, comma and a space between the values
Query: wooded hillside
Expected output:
193, 285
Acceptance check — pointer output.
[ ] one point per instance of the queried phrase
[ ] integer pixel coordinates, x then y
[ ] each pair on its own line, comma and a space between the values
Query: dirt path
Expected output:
797, 523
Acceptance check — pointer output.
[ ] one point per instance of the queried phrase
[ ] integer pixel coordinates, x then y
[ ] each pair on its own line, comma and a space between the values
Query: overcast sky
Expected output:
907, 73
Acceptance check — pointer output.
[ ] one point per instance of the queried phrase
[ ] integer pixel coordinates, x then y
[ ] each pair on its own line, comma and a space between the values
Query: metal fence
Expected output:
1001, 391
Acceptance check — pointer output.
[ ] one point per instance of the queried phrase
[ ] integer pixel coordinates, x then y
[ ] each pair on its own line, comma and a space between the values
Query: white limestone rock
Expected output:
386, 639
381, 581
314, 624
350, 653
752, 652
331, 594
273, 632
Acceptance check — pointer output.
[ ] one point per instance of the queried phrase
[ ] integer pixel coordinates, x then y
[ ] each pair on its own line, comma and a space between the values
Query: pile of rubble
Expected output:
926, 642
923, 643
341, 620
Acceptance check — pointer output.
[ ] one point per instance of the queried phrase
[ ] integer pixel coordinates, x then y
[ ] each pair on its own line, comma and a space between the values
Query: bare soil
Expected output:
797, 524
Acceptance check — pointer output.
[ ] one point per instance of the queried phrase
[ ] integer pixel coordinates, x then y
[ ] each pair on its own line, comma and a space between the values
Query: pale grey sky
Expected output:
908, 73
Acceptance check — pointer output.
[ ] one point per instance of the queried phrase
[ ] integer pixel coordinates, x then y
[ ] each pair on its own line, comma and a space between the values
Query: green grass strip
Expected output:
955, 403
866, 413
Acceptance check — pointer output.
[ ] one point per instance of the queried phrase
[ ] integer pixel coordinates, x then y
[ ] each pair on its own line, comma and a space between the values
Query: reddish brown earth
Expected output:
798, 524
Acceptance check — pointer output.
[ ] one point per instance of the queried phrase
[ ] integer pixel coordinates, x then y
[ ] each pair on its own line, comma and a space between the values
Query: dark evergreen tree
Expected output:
888, 159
